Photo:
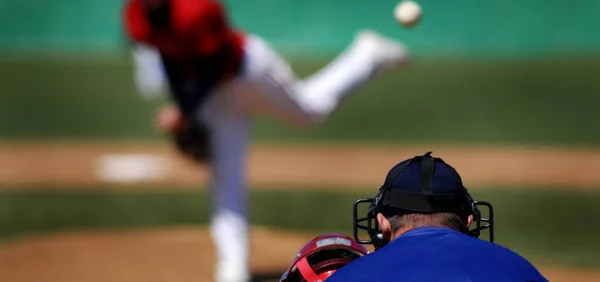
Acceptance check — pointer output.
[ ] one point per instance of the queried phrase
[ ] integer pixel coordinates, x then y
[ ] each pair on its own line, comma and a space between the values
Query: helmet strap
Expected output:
307, 272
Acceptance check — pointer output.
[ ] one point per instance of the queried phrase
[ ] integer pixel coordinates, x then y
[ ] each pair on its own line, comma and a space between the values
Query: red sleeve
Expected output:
136, 25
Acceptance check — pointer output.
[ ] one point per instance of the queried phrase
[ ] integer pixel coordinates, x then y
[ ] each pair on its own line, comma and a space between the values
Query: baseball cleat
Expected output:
388, 53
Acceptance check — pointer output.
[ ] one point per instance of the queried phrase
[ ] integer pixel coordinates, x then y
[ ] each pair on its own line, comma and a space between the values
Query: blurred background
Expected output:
505, 91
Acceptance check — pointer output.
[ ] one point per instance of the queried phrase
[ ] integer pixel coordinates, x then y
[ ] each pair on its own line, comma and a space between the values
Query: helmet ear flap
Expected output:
379, 241
375, 232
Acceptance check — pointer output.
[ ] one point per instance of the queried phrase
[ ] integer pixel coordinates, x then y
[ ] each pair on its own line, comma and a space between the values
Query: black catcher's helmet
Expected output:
437, 188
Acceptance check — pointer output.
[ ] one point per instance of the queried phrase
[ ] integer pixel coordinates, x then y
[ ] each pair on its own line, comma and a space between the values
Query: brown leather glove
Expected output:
193, 141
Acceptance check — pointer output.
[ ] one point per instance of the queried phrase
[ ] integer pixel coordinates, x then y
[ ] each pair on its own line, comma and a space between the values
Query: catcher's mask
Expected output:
321, 257
396, 199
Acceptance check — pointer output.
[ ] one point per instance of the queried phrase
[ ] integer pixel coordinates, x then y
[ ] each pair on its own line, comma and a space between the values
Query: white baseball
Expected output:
408, 13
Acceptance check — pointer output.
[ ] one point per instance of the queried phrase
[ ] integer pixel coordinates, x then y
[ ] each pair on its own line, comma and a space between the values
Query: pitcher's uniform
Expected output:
223, 77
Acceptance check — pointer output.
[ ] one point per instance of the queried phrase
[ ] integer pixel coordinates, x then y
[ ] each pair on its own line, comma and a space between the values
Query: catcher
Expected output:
219, 79
322, 257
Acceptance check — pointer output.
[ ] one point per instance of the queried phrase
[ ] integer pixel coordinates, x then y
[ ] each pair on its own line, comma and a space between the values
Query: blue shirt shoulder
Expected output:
439, 254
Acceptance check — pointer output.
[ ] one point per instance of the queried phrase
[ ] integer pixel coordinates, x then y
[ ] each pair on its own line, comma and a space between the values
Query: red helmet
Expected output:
321, 257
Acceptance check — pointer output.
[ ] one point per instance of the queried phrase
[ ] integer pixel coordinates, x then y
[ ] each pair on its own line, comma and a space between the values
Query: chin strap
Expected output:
307, 272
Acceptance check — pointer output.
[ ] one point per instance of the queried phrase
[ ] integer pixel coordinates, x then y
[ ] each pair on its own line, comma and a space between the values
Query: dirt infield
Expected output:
153, 255
306, 166
183, 254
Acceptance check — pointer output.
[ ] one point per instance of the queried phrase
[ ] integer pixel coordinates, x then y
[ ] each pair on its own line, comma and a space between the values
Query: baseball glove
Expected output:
193, 141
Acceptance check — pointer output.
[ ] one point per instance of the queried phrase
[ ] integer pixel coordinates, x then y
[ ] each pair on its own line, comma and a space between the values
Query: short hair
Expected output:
416, 220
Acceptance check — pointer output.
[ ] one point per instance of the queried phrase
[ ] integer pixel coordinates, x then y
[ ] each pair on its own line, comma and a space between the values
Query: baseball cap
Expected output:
424, 184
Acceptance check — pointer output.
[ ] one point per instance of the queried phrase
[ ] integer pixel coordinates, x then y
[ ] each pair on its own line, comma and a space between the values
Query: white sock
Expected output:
230, 235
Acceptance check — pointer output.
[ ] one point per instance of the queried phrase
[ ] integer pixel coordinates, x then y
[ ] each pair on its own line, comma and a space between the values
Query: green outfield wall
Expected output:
510, 27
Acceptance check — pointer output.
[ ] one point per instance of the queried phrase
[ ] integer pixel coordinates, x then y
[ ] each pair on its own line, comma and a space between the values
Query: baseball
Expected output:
408, 13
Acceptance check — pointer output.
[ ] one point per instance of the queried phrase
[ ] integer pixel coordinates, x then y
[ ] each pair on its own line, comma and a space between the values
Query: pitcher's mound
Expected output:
184, 254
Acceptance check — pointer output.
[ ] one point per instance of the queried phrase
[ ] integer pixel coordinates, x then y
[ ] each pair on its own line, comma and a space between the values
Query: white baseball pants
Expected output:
266, 85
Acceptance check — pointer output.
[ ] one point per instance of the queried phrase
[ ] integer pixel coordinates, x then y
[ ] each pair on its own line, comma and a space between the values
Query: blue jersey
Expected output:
439, 254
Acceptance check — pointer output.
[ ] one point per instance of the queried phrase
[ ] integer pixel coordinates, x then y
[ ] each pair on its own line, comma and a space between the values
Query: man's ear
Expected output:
469, 221
385, 226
